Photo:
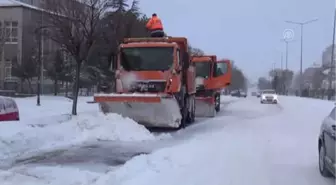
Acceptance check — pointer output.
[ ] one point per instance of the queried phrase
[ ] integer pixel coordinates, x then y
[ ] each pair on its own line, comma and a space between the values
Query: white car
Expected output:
268, 96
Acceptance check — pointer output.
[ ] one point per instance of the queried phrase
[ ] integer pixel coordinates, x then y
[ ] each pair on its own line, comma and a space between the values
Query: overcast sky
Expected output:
249, 31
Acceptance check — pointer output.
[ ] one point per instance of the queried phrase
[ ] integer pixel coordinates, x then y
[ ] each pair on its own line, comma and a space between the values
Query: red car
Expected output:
8, 109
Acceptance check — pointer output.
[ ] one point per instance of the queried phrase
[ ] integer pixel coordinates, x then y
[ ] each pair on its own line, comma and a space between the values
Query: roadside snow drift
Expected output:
18, 138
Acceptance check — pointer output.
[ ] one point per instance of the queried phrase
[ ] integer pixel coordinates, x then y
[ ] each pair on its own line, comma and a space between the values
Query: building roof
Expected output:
14, 3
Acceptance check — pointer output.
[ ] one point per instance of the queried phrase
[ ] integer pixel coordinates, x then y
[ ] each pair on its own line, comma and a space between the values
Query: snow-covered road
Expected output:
248, 143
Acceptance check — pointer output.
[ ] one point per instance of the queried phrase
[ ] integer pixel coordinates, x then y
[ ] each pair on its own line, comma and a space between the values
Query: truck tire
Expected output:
184, 114
217, 103
191, 108
183, 98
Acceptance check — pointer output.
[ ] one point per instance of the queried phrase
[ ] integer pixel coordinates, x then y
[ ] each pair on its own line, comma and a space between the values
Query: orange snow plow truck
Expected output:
211, 77
155, 83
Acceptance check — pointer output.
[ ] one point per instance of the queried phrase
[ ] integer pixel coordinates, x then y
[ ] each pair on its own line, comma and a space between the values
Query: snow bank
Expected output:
46, 175
18, 139
53, 110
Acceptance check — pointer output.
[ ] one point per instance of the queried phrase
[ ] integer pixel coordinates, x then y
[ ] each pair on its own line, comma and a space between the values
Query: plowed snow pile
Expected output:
16, 139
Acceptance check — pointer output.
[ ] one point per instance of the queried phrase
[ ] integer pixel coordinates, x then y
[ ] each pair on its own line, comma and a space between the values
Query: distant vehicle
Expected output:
258, 94
254, 94
269, 96
326, 145
238, 93
8, 109
243, 94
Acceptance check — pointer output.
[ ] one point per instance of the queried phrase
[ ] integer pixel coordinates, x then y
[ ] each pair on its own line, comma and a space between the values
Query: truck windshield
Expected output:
147, 58
203, 69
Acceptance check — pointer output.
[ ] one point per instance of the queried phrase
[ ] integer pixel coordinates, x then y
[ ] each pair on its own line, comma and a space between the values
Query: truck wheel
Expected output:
184, 107
191, 113
184, 114
217, 103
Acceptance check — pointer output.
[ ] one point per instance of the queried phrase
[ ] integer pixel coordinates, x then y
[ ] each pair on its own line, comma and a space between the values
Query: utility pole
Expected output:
301, 52
39, 59
282, 75
332, 61
40, 33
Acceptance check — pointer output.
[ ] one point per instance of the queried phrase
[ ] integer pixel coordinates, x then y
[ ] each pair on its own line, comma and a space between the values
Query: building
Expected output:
310, 75
326, 61
17, 19
326, 56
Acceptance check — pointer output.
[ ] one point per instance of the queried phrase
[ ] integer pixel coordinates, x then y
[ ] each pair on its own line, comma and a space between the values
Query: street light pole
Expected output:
301, 53
281, 65
332, 68
286, 64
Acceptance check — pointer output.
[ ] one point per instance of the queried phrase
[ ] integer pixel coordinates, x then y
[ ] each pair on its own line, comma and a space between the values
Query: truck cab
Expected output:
211, 77
155, 82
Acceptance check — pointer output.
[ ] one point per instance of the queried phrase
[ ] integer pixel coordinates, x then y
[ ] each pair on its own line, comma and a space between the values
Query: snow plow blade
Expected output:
205, 107
150, 110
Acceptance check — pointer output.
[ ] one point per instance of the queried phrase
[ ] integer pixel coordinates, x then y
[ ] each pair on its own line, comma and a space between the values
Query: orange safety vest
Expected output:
154, 24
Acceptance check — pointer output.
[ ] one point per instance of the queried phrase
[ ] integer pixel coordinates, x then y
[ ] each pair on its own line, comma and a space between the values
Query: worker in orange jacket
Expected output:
155, 26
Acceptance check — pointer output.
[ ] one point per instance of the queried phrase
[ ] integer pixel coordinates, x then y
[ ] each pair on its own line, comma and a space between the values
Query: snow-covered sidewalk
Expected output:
45, 128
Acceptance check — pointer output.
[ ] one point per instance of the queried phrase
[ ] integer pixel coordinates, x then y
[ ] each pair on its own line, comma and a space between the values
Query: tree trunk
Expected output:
56, 86
76, 88
66, 88
30, 86
21, 85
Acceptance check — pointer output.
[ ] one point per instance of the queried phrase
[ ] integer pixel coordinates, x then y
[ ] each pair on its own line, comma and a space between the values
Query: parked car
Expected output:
8, 109
253, 93
269, 96
243, 94
238, 93
326, 145
258, 94
235, 93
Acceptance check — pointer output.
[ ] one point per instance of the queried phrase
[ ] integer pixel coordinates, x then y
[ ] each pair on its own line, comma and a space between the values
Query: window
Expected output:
147, 58
8, 69
220, 69
11, 31
203, 69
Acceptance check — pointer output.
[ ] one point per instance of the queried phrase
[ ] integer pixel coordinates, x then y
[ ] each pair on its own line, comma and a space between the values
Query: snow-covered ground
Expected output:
247, 143
51, 127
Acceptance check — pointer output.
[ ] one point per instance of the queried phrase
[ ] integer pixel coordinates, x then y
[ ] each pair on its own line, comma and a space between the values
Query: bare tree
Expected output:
317, 78
123, 20
195, 51
263, 83
74, 26
56, 70
26, 70
238, 79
